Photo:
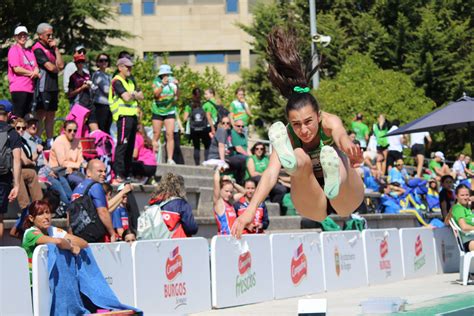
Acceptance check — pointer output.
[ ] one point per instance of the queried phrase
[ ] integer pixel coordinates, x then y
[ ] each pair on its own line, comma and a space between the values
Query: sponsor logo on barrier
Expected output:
385, 264
299, 265
246, 278
419, 256
343, 261
174, 268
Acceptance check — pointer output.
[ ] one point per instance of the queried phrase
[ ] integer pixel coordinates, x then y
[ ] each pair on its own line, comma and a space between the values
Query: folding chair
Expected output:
466, 256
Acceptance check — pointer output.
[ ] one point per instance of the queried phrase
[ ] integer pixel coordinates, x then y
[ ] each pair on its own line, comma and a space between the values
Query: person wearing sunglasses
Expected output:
50, 63
66, 157
100, 91
29, 176
22, 73
398, 174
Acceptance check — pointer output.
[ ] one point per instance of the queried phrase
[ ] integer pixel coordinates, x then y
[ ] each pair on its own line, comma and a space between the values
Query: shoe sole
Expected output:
278, 136
330, 164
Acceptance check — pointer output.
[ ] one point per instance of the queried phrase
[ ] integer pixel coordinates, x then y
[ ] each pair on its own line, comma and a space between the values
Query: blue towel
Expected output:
70, 276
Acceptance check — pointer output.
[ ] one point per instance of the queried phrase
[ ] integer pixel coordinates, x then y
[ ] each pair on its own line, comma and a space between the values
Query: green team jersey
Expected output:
361, 130
260, 164
458, 212
379, 134
166, 103
433, 165
237, 109
209, 107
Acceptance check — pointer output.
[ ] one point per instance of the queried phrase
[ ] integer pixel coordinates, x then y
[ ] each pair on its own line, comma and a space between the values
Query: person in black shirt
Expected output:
446, 195
9, 181
50, 62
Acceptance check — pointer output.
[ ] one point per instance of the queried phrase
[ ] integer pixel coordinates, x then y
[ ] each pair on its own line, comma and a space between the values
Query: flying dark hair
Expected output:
286, 69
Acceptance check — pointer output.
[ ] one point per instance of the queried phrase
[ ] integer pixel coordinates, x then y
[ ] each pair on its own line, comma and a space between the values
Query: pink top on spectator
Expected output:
20, 57
145, 155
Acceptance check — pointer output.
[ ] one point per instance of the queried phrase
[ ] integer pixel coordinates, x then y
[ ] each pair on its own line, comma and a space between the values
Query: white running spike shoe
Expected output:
330, 164
280, 141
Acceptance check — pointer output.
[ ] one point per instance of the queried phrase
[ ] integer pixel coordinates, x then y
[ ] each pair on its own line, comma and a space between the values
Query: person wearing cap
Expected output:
439, 168
165, 90
123, 100
361, 130
10, 166
22, 73
50, 63
71, 68
79, 92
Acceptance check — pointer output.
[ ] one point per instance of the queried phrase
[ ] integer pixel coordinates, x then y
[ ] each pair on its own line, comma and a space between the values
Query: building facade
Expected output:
198, 32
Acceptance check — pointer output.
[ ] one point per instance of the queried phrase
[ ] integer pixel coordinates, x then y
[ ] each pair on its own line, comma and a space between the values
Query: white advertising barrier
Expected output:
241, 270
41, 293
344, 261
418, 253
383, 255
172, 276
297, 264
115, 262
447, 251
15, 293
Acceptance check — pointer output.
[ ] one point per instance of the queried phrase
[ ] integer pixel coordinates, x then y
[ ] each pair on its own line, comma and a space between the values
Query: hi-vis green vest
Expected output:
118, 106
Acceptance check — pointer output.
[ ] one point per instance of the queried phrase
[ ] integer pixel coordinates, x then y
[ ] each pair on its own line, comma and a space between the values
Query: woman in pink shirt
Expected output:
144, 164
22, 73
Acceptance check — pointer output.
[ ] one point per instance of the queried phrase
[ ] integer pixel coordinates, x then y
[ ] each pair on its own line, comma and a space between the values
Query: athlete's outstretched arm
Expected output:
267, 182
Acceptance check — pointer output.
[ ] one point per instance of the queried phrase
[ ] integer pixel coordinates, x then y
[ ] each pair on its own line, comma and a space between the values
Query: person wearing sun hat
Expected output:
22, 73
165, 90
438, 166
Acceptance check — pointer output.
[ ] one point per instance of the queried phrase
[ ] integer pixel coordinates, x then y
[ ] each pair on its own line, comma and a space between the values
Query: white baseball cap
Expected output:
20, 29
440, 155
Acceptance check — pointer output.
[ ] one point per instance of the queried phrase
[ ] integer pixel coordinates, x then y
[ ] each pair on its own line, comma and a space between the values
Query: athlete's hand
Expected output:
240, 223
353, 152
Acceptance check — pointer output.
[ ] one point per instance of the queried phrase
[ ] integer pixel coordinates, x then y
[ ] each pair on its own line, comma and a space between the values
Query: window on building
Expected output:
233, 67
148, 7
232, 6
125, 8
210, 58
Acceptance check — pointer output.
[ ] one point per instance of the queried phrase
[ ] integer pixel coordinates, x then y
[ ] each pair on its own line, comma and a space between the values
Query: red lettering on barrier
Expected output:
245, 262
174, 264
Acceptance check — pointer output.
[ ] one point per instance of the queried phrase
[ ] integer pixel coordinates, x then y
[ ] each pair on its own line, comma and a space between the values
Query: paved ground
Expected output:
425, 296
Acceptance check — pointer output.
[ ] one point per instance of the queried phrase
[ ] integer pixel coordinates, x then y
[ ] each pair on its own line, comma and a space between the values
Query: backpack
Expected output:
150, 224
221, 111
329, 225
198, 121
84, 219
6, 157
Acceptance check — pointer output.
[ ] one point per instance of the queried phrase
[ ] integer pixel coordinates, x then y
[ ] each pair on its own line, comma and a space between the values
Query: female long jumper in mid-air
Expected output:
314, 148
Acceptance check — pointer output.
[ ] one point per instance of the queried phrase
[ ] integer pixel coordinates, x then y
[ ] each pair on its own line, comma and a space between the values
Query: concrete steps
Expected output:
185, 170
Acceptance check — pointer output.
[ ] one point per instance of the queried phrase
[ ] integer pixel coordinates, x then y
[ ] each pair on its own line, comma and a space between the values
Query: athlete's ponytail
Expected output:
286, 70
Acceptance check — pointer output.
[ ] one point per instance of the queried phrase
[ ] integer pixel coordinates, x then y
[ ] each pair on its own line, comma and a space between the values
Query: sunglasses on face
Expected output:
225, 123
103, 60
82, 52
398, 165
70, 130
22, 128
22, 35
49, 35
259, 148
238, 125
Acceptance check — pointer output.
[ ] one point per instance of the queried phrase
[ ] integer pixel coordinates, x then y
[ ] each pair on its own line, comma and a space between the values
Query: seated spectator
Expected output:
256, 165
32, 139
129, 236
30, 189
177, 212
352, 136
432, 196
223, 209
239, 139
144, 164
261, 221
398, 174
464, 217
438, 167
66, 154
459, 167
96, 173
39, 230
120, 217
446, 195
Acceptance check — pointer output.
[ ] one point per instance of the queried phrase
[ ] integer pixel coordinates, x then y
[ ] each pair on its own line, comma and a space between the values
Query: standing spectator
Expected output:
417, 145
177, 212
446, 195
261, 221
240, 110
80, 91
66, 153
165, 90
459, 167
100, 89
210, 107
361, 131
469, 170
96, 173
178, 130
71, 67
256, 165
10, 158
438, 167
199, 126
144, 164
22, 73
395, 146
50, 63
123, 97
29, 177
380, 130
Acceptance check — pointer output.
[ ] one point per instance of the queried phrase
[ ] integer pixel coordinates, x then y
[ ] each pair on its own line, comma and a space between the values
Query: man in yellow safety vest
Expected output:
123, 97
